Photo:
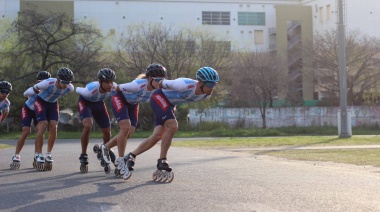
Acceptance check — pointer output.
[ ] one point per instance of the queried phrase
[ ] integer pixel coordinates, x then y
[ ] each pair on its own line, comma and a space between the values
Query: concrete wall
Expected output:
286, 116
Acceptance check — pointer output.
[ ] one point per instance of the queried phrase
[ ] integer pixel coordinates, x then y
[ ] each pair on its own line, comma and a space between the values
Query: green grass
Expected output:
3, 146
361, 157
235, 142
349, 156
217, 130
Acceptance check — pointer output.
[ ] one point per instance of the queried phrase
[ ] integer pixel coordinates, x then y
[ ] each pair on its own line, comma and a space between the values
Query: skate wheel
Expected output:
117, 173
107, 169
164, 176
34, 164
170, 176
157, 175
83, 168
127, 174
99, 156
39, 166
96, 148
102, 163
15, 165
47, 167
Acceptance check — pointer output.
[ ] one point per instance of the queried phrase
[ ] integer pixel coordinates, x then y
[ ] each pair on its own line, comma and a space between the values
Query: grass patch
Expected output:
361, 157
350, 156
281, 141
217, 130
4, 146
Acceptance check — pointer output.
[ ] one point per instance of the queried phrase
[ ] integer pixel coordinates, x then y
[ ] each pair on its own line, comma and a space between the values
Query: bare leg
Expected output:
123, 135
171, 126
85, 138
25, 131
53, 134
106, 134
39, 141
150, 141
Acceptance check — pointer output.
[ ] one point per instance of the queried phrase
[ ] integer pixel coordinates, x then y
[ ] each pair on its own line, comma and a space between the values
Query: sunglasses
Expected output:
210, 84
157, 79
4, 91
65, 82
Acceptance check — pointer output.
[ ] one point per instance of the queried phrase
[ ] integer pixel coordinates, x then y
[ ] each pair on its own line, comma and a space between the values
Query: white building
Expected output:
246, 23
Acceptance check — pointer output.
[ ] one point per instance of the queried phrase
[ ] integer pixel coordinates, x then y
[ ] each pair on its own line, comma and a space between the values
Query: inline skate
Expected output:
164, 171
48, 166
83, 159
16, 159
119, 165
105, 159
39, 161
129, 161
98, 153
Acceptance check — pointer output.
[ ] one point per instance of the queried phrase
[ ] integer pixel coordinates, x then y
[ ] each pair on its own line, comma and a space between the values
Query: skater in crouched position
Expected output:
125, 107
46, 109
5, 90
163, 102
27, 116
91, 104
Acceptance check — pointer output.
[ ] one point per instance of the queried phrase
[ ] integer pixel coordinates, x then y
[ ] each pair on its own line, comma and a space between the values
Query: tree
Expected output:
181, 51
362, 61
48, 41
256, 80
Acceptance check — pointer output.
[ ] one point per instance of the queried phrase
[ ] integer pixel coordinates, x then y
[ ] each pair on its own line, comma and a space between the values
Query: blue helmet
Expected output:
207, 74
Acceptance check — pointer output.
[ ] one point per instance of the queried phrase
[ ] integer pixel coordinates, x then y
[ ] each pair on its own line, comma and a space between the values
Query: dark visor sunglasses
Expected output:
157, 79
210, 84
65, 82
4, 91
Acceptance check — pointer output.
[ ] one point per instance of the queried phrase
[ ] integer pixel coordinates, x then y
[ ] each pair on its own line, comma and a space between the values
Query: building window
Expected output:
251, 18
328, 12
215, 18
321, 15
259, 37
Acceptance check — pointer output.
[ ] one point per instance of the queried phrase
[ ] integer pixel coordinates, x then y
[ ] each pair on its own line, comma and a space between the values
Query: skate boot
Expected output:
35, 161
130, 163
48, 162
112, 156
39, 161
119, 164
83, 159
164, 171
105, 159
97, 151
16, 159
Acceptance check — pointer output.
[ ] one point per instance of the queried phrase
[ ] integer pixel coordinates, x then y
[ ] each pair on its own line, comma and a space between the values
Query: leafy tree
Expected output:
362, 65
48, 41
256, 80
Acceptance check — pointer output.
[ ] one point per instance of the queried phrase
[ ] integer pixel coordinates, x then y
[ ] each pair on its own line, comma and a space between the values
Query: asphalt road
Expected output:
205, 180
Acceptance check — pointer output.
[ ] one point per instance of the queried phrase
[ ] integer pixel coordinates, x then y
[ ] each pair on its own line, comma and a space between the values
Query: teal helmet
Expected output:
207, 74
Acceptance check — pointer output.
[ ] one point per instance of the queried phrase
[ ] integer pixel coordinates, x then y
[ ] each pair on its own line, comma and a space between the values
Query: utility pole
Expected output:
344, 122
